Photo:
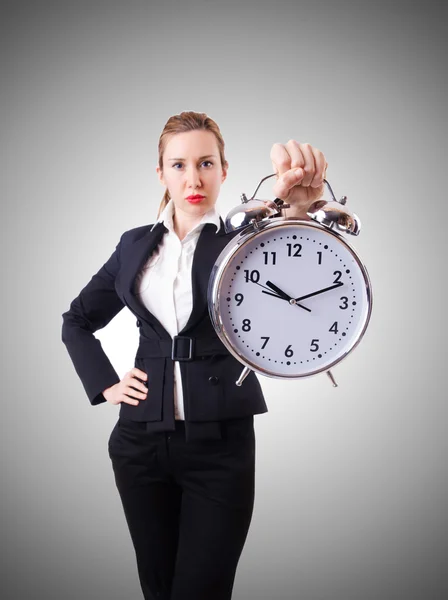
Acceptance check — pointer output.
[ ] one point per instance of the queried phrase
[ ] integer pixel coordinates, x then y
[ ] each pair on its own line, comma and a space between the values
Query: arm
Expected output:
93, 309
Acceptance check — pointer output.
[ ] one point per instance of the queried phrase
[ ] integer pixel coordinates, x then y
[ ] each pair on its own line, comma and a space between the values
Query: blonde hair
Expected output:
188, 121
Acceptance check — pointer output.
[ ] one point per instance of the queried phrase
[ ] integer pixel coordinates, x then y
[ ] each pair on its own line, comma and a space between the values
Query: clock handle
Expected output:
277, 200
244, 373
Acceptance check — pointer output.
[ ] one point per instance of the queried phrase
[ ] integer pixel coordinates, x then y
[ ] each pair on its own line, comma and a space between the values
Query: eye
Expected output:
174, 165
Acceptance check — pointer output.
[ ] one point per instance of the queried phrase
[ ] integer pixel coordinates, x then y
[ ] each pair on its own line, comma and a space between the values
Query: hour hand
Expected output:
280, 292
283, 295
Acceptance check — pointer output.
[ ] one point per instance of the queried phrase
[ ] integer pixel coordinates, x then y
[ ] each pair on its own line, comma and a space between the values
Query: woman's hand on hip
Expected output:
129, 390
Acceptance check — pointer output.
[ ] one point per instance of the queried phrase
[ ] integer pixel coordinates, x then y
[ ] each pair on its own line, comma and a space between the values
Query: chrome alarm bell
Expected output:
330, 213
251, 211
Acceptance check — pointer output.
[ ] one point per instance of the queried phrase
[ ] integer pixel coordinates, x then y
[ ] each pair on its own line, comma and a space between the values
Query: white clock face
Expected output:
293, 300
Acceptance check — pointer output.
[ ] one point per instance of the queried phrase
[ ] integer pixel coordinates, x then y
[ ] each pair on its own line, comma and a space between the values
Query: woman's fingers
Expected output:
321, 168
135, 372
281, 160
309, 165
294, 155
132, 389
130, 400
287, 181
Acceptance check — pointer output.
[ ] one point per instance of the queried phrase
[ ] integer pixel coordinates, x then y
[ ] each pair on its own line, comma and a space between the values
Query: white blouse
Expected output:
164, 283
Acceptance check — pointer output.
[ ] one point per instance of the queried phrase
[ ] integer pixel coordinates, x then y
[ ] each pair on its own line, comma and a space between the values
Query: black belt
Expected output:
181, 348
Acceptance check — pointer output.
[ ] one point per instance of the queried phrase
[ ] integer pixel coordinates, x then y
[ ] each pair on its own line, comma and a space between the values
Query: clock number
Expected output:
246, 325
338, 276
288, 351
239, 298
345, 300
253, 276
334, 327
319, 262
297, 252
264, 343
314, 346
266, 257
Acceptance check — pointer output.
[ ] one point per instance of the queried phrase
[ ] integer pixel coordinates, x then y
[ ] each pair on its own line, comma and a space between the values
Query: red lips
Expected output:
195, 197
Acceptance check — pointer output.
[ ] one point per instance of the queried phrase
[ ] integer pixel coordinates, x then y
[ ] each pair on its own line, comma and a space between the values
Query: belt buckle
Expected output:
174, 356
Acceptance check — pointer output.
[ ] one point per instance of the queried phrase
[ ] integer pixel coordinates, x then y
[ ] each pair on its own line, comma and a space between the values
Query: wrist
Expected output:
296, 213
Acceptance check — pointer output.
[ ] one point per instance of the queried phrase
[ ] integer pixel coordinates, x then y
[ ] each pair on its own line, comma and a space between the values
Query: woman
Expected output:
183, 449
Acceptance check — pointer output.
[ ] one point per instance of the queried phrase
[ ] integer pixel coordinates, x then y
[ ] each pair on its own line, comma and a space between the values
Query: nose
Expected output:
193, 178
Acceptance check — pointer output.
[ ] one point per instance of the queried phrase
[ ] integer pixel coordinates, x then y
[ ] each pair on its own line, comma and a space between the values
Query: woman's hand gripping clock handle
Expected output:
300, 170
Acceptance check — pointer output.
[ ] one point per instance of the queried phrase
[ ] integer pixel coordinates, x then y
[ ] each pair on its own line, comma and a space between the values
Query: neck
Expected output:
183, 223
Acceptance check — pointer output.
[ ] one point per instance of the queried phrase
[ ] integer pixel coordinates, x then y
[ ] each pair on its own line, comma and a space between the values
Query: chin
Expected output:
207, 204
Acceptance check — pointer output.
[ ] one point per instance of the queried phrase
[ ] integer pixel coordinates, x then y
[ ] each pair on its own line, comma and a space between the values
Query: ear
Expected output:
160, 175
224, 172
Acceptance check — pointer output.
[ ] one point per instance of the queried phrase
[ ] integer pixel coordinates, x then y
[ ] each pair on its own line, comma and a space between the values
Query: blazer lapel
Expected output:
208, 248
140, 251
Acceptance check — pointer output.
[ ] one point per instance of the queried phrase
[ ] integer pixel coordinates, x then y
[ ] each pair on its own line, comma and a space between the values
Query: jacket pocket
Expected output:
213, 392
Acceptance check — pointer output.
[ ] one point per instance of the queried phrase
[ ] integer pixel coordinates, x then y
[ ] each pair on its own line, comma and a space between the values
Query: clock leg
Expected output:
330, 375
245, 372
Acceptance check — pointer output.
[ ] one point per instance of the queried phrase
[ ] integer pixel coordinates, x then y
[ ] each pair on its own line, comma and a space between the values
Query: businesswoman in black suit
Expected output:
183, 448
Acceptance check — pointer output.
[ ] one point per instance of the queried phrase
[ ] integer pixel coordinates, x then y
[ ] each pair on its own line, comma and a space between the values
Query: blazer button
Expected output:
138, 323
214, 380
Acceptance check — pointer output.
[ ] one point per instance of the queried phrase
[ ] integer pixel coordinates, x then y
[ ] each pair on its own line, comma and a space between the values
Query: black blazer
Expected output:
208, 378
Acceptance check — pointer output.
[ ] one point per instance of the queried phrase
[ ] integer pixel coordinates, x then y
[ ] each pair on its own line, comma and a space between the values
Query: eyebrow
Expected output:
200, 158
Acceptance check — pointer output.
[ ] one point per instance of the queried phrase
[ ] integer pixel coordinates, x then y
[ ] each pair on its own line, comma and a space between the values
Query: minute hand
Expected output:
332, 287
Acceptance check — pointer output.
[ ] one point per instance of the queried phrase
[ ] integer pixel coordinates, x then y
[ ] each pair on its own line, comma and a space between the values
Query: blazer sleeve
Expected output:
93, 309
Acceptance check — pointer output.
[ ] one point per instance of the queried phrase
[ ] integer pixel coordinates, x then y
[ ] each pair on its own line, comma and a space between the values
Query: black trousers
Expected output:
188, 506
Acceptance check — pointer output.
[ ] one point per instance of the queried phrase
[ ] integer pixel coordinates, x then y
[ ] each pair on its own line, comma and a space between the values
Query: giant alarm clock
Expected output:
290, 298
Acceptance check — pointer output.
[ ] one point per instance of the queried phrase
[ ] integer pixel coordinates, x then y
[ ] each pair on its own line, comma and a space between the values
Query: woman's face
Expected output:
192, 167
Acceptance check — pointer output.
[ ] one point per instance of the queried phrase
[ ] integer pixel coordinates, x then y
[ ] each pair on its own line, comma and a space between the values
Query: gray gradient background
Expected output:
352, 490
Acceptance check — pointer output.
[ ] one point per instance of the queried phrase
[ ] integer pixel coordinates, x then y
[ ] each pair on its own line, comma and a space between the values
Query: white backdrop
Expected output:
351, 492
